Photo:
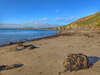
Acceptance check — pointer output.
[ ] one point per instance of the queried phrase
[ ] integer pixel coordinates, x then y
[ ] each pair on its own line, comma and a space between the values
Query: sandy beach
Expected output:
47, 59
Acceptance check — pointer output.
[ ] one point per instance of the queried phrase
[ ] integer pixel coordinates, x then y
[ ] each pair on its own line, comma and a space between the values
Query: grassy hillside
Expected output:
92, 22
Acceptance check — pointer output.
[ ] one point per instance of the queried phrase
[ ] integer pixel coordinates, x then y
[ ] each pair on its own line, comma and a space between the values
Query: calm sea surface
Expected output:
7, 36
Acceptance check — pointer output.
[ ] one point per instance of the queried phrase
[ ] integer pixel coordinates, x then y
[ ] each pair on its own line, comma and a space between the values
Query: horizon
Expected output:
44, 13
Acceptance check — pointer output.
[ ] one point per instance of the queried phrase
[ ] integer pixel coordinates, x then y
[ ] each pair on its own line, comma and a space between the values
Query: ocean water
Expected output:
7, 36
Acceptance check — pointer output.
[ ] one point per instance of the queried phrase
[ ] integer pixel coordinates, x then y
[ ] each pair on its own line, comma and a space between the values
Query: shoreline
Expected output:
48, 37
60, 33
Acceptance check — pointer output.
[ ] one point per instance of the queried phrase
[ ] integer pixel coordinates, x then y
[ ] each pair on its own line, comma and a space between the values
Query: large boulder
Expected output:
74, 62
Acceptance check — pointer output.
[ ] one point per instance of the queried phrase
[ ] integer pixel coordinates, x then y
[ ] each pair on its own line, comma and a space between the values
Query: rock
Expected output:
8, 67
32, 47
27, 44
22, 46
74, 62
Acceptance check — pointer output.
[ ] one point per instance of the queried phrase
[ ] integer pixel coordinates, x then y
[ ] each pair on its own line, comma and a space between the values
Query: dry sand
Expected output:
48, 58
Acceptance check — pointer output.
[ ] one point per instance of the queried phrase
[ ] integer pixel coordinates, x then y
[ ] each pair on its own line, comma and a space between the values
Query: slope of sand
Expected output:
48, 58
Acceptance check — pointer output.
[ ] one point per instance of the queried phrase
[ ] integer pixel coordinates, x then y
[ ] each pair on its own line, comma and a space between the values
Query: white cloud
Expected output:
39, 24
35, 24
59, 19
44, 19
73, 18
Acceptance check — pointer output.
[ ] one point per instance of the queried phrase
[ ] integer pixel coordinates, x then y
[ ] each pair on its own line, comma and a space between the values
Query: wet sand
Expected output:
47, 59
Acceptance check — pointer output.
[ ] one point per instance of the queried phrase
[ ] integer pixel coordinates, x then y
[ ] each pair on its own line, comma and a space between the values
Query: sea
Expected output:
7, 35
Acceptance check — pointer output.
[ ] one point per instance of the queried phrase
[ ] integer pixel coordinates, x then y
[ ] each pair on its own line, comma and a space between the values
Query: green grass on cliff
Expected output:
94, 20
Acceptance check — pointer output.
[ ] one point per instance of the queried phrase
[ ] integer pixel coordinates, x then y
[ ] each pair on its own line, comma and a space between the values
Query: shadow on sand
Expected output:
30, 47
92, 60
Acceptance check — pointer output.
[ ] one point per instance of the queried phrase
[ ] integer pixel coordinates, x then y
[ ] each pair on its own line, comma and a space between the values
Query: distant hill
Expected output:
91, 22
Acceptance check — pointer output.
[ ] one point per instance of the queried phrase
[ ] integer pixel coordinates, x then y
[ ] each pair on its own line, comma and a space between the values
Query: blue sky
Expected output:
44, 13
